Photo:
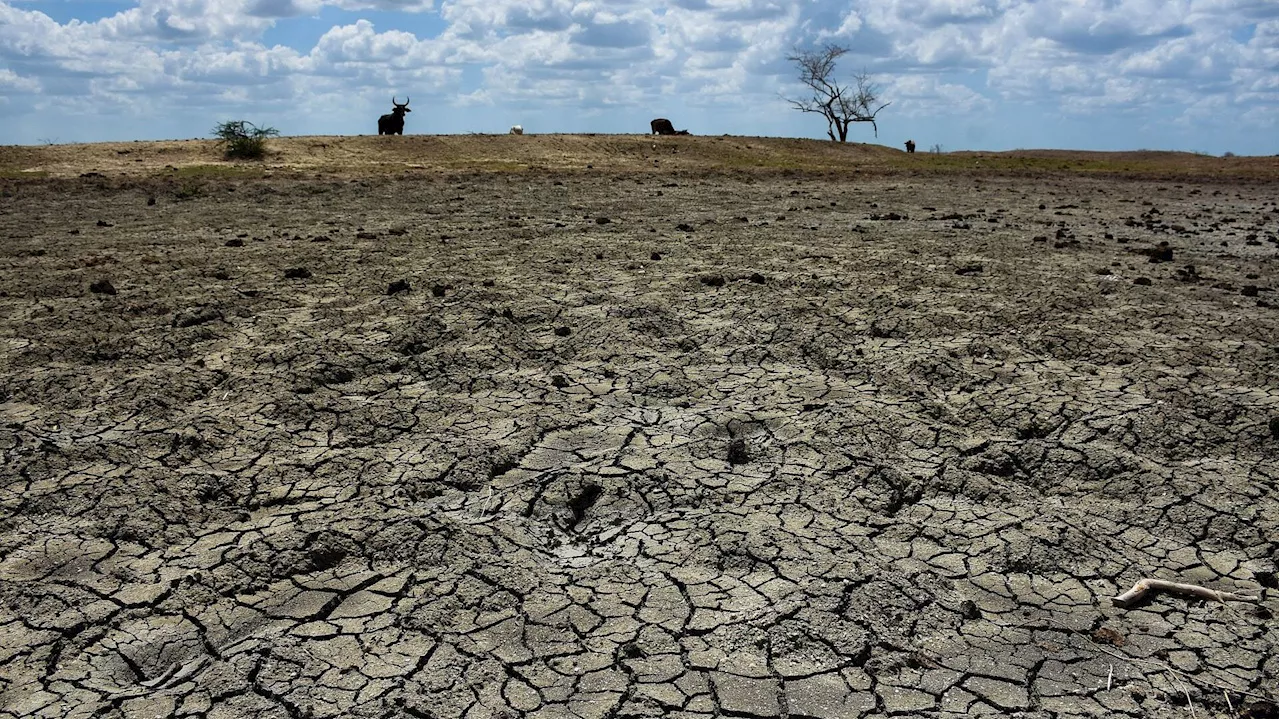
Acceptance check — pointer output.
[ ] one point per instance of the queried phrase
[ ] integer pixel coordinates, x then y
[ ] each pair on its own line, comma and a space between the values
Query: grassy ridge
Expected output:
362, 155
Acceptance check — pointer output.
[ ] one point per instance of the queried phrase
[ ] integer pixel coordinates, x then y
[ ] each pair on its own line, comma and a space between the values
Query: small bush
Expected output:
936, 149
243, 140
1228, 155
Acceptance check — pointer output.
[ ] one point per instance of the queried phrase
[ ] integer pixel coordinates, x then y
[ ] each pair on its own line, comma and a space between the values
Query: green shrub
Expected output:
243, 140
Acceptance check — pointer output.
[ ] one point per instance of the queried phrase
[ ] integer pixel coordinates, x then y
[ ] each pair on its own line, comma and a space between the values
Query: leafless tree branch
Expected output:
840, 105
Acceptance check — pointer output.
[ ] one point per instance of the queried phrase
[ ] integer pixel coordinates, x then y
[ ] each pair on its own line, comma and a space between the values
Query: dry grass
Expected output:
361, 155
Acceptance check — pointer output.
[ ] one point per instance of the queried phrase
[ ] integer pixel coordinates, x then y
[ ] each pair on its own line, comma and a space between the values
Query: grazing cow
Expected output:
911, 145
663, 126
517, 130
393, 122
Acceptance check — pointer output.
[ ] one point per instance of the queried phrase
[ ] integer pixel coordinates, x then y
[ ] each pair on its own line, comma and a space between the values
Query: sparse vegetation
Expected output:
839, 104
243, 140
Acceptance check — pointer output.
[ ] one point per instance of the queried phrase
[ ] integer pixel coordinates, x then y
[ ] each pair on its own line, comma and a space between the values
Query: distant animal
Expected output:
911, 145
663, 126
393, 122
517, 130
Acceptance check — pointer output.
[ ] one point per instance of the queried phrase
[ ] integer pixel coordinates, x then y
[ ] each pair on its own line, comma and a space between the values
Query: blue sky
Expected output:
1196, 75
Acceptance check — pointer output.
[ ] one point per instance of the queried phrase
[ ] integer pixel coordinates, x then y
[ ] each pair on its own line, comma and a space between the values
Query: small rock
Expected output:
602, 220
366, 235
102, 287
234, 242
973, 269
712, 281
398, 286
1144, 281
562, 332
438, 290
151, 200
684, 227
757, 278
655, 256
559, 382
488, 283
738, 453
104, 223
297, 273
1249, 290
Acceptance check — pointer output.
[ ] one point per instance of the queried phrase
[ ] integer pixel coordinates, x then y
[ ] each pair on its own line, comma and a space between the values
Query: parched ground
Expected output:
724, 440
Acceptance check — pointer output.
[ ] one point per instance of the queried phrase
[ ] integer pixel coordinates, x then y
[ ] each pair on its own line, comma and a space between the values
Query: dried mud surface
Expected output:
636, 446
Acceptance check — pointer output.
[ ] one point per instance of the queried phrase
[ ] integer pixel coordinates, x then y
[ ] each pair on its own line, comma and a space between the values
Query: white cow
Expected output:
517, 130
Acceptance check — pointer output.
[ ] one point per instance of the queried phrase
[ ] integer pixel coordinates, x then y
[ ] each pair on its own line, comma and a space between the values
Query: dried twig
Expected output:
1143, 586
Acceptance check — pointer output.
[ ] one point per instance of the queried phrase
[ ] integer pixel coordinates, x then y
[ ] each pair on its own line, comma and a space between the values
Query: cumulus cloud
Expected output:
936, 59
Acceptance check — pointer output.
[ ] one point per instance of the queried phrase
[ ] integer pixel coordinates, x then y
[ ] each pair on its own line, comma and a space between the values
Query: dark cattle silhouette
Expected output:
393, 122
663, 126
911, 145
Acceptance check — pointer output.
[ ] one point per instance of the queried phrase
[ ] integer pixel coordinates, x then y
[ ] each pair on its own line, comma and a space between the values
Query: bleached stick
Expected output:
1143, 586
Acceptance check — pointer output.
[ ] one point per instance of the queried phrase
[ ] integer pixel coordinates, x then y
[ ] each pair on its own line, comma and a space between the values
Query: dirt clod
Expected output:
195, 316
102, 287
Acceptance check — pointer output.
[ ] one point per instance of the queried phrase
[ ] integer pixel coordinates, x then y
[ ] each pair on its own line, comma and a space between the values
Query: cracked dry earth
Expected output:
637, 446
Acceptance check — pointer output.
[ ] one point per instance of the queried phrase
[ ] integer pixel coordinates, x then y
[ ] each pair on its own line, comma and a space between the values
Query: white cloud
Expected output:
939, 60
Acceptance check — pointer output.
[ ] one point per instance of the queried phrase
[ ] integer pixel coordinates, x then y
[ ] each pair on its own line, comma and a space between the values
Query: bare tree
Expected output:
840, 104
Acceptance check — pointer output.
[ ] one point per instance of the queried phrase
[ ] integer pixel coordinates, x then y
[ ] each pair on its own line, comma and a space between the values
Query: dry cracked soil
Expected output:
569, 444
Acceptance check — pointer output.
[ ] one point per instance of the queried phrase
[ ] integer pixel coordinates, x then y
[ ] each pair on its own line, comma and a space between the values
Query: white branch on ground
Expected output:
1143, 586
